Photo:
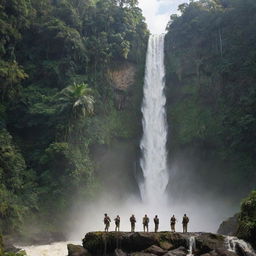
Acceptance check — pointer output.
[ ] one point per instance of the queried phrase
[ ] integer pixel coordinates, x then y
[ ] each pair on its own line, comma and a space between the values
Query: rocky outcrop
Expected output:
156, 250
123, 75
157, 244
77, 250
229, 227
207, 242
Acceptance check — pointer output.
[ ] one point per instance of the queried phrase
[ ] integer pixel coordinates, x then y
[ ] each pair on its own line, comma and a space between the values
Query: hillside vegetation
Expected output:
57, 101
211, 88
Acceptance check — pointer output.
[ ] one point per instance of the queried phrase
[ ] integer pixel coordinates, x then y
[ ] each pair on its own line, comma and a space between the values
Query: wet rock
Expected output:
119, 252
207, 242
166, 245
77, 250
142, 254
224, 252
181, 251
220, 252
155, 250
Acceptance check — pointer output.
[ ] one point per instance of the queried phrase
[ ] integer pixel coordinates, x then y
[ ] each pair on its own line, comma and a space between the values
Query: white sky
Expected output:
157, 13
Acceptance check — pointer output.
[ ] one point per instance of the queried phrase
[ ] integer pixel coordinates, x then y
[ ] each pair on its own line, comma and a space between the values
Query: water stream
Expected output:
234, 244
192, 245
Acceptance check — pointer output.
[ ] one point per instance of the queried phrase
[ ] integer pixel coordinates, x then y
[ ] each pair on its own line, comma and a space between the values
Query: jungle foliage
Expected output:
211, 79
56, 101
247, 219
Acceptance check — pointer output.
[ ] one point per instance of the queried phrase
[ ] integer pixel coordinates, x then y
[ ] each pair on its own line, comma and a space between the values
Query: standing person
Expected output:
107, 221
145, 222
156, 221
133, 221
117, 222
185, 222
173, 223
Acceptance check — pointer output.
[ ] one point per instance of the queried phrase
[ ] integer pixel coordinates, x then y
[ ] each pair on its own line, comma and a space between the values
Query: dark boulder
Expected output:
119, 252
77, 250
181, 251
167, 246
142, 254
155, 250
220, 252
207, 242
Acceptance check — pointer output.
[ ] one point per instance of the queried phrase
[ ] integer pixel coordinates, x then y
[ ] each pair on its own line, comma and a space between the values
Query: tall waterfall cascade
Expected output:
153, 143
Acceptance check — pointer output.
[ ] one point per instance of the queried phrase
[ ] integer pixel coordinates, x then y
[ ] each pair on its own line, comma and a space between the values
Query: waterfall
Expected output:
153, 143
234, 245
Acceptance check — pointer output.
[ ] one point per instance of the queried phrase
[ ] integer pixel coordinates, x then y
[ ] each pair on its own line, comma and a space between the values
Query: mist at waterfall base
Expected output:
151, 197
204, 215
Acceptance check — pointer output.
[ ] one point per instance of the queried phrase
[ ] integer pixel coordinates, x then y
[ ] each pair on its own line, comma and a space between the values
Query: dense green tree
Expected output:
247, 219
77, 99
18, 190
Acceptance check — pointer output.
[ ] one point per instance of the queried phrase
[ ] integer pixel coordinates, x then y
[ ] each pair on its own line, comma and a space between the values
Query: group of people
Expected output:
145, 222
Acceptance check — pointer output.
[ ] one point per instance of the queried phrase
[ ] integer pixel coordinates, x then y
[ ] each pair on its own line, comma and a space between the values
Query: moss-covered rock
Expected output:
156, 250
99, 243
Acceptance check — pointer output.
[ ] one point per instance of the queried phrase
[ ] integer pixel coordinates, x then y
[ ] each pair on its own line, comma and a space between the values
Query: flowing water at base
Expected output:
234, 242
55, 249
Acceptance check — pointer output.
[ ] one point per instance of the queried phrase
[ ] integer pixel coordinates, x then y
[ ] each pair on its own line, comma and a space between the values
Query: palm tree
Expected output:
77, 99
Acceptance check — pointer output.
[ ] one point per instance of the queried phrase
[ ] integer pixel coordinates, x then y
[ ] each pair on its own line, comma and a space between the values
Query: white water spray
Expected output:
192, 245
55, 249
233, 242
153, 143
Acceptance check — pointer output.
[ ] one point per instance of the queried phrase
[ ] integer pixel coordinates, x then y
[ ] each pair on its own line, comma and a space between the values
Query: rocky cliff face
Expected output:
229, 227
123, 75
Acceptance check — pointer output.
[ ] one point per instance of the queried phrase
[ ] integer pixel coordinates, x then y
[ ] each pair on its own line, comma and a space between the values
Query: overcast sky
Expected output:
157, 13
